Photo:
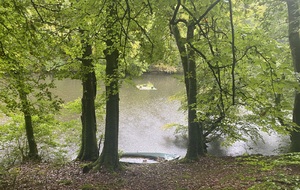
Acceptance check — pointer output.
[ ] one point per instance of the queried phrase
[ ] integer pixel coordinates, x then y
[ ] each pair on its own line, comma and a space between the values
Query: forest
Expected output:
236, 60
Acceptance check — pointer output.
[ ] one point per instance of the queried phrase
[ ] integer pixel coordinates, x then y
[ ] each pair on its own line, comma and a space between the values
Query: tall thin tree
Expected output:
294, 40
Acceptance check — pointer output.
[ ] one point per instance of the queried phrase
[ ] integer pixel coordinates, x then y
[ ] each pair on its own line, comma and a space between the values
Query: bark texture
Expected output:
89, 148
32, 146
109, 157
294, 40
187, 54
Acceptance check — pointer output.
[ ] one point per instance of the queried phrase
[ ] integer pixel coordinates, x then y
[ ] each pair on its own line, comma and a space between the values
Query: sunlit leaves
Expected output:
264, 80
26, 50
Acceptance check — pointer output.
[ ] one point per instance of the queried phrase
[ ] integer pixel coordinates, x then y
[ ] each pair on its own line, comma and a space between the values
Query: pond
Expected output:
144, 113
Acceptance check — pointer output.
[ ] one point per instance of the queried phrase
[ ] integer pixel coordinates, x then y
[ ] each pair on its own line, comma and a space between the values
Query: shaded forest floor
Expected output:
251, 172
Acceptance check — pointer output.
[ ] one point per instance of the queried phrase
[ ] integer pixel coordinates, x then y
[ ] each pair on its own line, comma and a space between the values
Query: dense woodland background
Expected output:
239, 61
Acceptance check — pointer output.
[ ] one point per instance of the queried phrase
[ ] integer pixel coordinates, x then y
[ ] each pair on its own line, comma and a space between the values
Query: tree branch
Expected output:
218, 80
150, 7
2, 52
173, 20
37, 11
207, 11
232, 51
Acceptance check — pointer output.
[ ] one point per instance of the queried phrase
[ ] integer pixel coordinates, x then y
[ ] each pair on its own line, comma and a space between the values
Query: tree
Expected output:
294, 41
284, 11
89, 149
24, 56
187, 53
189, 69
83, 33
118, 31
26, 109
76, 59
109, 157
241, 90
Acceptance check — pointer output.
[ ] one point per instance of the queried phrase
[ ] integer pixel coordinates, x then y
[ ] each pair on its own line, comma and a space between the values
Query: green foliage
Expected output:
66, 182
259, 161
88, 187
50, 39
74, 106
268, 163
180, 130
11, 154
258, 95
13, 139
25, 86
69, 141
288, 159
278, 180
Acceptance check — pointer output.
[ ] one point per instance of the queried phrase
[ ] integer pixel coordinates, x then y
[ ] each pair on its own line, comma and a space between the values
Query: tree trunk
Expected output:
294, 40
33, 151
109, 157
295, 135
195, 146
195, 132
89, 148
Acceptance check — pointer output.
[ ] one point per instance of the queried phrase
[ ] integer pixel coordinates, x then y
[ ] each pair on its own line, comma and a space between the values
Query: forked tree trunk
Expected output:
187, 54
294, 40
195, 146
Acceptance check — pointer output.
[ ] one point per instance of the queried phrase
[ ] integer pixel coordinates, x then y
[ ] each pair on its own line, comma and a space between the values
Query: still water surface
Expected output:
144, 113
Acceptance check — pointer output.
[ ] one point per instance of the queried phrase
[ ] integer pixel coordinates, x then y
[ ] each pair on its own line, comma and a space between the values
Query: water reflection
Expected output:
144, 113
270, 144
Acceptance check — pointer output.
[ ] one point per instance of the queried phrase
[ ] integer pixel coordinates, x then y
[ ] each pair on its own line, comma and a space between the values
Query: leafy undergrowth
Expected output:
251, 172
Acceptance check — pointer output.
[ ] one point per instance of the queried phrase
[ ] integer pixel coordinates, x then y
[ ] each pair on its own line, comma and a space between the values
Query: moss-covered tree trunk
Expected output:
89, 149
294, 40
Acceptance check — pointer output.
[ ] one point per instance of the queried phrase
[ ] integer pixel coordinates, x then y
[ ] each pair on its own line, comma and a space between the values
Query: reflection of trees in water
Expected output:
215, 148
181, 141
271, 144
178, 141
